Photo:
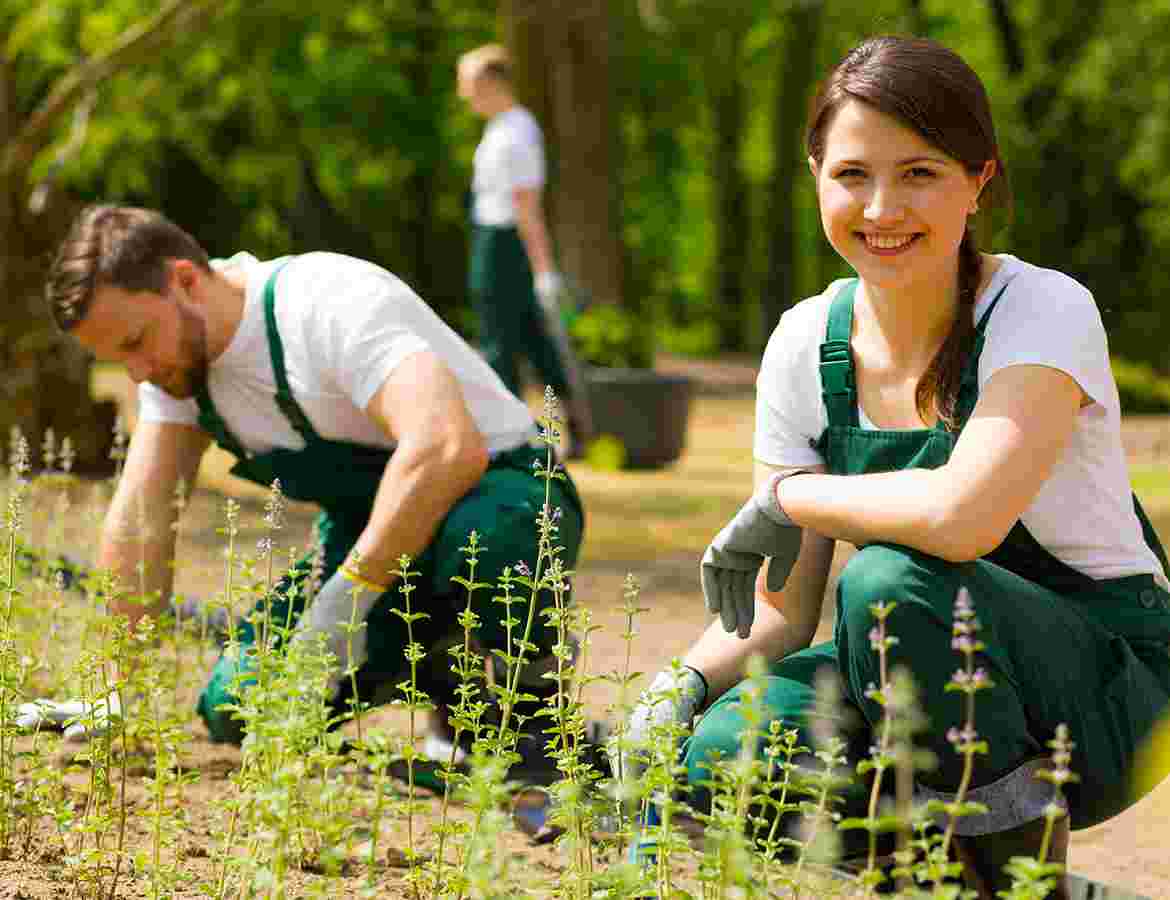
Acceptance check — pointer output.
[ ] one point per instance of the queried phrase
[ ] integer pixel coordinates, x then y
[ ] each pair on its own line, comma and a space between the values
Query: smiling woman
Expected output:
952, 414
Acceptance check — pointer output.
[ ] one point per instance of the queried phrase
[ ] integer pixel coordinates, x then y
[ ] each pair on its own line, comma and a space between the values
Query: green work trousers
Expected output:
502, 509
1097, 661
511, 324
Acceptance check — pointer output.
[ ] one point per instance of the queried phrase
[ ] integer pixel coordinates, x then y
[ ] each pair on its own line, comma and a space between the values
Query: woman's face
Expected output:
892, 204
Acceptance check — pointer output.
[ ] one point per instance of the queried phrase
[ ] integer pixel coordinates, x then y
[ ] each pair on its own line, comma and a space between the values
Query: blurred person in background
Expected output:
516, 288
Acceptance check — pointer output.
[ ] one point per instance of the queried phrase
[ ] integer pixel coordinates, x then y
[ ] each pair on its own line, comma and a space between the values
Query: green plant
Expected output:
609, 335
1141, 388
303, 796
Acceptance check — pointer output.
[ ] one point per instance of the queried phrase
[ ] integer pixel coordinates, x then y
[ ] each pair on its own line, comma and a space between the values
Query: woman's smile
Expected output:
883, 244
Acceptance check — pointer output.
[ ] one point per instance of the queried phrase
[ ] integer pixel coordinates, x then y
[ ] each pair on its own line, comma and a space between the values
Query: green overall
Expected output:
511, 324
1060, 646
342, 478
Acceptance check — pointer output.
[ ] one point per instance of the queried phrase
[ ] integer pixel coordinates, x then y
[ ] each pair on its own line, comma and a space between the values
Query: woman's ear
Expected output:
813, 167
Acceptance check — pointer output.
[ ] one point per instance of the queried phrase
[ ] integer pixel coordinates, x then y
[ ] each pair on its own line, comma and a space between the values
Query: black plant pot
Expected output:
646, 410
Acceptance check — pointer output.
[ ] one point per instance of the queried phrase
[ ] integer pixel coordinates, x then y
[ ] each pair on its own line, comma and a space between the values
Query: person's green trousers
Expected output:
1097, 661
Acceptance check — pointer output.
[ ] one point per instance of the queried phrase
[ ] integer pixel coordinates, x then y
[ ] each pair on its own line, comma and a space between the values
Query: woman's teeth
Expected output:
888, 242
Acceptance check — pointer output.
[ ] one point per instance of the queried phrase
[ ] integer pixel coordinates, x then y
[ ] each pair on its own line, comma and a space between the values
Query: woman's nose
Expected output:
885, 204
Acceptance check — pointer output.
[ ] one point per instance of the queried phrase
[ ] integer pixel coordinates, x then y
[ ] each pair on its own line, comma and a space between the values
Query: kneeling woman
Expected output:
952, 414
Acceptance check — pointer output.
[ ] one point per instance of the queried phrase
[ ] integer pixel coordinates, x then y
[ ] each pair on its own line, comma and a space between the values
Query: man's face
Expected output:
160, 338
472, 89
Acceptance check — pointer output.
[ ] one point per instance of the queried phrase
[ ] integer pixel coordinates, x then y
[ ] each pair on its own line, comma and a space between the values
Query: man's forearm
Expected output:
143, 573
417, 490
533, 228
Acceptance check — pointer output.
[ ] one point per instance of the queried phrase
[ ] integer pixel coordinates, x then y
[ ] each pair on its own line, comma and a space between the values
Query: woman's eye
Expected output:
850, 173
921, 172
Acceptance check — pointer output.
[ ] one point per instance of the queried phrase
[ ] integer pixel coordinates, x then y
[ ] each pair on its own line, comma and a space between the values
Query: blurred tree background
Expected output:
679, 182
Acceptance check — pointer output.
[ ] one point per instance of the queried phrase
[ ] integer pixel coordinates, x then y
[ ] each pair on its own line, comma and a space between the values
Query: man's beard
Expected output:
185, 381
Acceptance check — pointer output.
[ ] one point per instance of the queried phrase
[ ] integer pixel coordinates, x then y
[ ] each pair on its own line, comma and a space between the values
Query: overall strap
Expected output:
981, 326
211, 422
838, 387
284, 398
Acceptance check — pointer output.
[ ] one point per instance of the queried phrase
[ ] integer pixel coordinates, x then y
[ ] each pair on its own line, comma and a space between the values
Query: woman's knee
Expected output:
884, 574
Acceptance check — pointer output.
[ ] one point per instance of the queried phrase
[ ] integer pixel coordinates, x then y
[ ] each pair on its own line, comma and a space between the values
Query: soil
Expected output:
1129, 851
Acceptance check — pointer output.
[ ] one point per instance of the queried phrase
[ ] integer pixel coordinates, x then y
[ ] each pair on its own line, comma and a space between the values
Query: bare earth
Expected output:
1129, 851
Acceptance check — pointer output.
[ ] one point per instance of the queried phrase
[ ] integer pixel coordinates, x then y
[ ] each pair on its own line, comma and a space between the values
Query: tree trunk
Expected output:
797, 61
44, 375
562, 50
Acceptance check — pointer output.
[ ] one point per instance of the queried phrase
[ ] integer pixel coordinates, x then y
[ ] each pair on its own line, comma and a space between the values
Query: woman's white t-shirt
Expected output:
510, 155
346, 325
1083, 513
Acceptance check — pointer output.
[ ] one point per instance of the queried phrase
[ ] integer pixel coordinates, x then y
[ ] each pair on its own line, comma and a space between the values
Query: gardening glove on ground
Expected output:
733, 559
344, 597
213, 621
86, 719
548, 286
671, 697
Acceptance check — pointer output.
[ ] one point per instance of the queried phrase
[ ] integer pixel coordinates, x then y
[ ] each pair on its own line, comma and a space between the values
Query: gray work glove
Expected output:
733, 559
669, 698
330, 614
548, 286
81, 719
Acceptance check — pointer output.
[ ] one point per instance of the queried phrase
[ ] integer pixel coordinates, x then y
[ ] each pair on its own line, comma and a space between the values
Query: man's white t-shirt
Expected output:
510, 155
1083, 513
346, 325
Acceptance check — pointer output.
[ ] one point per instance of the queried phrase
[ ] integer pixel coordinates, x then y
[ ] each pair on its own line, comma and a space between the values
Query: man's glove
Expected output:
733, 559
549, 285
86, 719
343, 597
670, 698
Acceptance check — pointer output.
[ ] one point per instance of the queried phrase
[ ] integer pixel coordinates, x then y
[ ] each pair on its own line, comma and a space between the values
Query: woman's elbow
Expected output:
961, 539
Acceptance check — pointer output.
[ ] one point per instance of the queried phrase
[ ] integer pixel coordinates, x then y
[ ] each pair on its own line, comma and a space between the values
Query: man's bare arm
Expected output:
440, 456
138, 540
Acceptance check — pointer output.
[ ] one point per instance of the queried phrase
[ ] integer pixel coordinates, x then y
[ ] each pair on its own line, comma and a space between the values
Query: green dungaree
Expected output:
1060, 646
511, 324
342, 478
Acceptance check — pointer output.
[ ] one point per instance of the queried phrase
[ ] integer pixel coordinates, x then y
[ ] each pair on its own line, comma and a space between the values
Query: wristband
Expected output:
357, 578
706, 687
769, 502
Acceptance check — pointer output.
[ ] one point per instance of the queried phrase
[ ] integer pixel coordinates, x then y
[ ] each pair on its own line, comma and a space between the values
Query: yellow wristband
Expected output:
357, 578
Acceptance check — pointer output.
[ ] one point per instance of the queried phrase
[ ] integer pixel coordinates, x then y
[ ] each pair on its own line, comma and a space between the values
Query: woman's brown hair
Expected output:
929, 88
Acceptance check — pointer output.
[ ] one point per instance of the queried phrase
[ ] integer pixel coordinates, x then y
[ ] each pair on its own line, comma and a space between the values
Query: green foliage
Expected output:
610, 335
1141, 388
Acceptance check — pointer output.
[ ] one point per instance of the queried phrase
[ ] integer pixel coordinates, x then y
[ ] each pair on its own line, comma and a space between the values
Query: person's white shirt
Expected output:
346, 325
510, 155
1083, 513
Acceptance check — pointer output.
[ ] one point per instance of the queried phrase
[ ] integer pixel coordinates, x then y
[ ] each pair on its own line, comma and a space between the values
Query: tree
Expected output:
563, 51
44, 377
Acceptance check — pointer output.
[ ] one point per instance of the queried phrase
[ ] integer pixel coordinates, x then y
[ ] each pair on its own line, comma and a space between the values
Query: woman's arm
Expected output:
785, 621
964, 509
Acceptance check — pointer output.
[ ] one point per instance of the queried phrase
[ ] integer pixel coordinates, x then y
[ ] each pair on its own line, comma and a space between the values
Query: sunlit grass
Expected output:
1151, 481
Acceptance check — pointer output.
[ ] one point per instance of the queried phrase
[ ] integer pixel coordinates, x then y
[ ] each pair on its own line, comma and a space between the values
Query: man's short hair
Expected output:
492, 60
126, 247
